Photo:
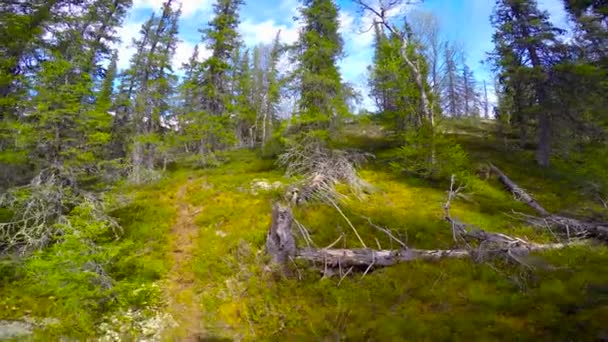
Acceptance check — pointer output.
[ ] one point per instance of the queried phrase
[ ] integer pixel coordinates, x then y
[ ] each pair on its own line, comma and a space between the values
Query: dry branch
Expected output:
567, 226
281, 246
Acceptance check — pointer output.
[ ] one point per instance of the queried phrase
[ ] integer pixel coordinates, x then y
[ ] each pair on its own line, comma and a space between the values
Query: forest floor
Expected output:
182, 298
193, 248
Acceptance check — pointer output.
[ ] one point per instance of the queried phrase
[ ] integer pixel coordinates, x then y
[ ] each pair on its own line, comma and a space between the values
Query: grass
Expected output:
241, 298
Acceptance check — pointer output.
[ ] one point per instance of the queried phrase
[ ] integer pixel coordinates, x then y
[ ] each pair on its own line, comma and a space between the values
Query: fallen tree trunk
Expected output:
518, 192
281, 246
570, 227
362, 258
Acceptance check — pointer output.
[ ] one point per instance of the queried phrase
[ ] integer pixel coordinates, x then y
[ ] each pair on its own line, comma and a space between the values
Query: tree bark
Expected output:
520, 193
570, 227
280, 243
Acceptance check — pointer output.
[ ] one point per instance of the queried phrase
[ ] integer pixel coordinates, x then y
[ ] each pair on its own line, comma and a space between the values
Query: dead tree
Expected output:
280, 243
382, 11
281, 246
566, 226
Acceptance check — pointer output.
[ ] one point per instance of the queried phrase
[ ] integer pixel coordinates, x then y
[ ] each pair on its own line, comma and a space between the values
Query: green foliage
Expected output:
322, 101
430, 156
392, 84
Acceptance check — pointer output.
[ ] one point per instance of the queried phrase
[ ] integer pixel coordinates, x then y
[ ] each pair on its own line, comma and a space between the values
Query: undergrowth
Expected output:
564, 297
449, 300
90, 272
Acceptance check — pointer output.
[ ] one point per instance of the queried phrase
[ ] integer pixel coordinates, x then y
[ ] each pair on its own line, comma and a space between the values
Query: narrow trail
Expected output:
182, 299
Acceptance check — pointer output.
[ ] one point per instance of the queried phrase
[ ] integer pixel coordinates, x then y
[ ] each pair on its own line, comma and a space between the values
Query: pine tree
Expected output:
393, 86
469, 94
451, 97
222, 40
525, 43
149, 87
591, 20
320, 46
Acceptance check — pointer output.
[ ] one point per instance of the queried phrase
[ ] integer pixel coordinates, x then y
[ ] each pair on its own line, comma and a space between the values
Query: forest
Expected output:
250, 194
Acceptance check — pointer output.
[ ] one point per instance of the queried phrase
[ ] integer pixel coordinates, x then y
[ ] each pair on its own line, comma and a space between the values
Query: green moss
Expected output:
448, 300
565, 297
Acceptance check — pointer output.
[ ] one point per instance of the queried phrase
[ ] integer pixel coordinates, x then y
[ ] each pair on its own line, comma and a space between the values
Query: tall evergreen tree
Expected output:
149, 85
469, 94
71, 130
591, 20
222, 40
451, 95
320, 47
393, 86
525, 43
244, 106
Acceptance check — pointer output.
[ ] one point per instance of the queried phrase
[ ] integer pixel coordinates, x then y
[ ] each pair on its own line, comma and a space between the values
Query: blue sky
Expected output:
462, 21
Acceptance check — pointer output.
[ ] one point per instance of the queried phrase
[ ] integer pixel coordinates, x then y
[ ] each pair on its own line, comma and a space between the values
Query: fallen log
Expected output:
363, 258
570, 227
519, 192
281, 246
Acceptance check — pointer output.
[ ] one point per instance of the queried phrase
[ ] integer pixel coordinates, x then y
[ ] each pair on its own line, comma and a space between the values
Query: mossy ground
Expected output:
240, 298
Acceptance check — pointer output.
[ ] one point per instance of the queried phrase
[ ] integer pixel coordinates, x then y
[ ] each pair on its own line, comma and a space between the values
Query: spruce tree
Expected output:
393, 85
222, 39
451, 97
322, 100
524, 53
469, 94
244, 107
148, 87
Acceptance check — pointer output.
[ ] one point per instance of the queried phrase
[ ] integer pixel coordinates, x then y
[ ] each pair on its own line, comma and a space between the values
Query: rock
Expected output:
15, 329
263, 185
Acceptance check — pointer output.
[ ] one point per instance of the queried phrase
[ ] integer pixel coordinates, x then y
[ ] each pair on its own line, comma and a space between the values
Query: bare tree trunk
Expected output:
264, 123
280, 243
519, 192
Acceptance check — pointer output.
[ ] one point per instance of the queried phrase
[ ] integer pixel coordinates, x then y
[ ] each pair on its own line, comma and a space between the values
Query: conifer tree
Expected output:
451, 97
525, 43
392, 84
149, 85
244, 106
267, 85
72, 132
468, 89
222, 39
322, 100
591, 20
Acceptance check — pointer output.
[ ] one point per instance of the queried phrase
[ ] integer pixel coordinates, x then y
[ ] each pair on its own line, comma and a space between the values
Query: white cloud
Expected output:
189, 7
184, 51
264, 32
127, 33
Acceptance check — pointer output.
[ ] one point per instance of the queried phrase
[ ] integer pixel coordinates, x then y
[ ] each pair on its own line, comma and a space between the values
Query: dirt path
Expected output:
182, 298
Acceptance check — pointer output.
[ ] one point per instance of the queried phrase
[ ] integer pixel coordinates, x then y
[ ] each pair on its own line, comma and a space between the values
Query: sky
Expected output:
463, 21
